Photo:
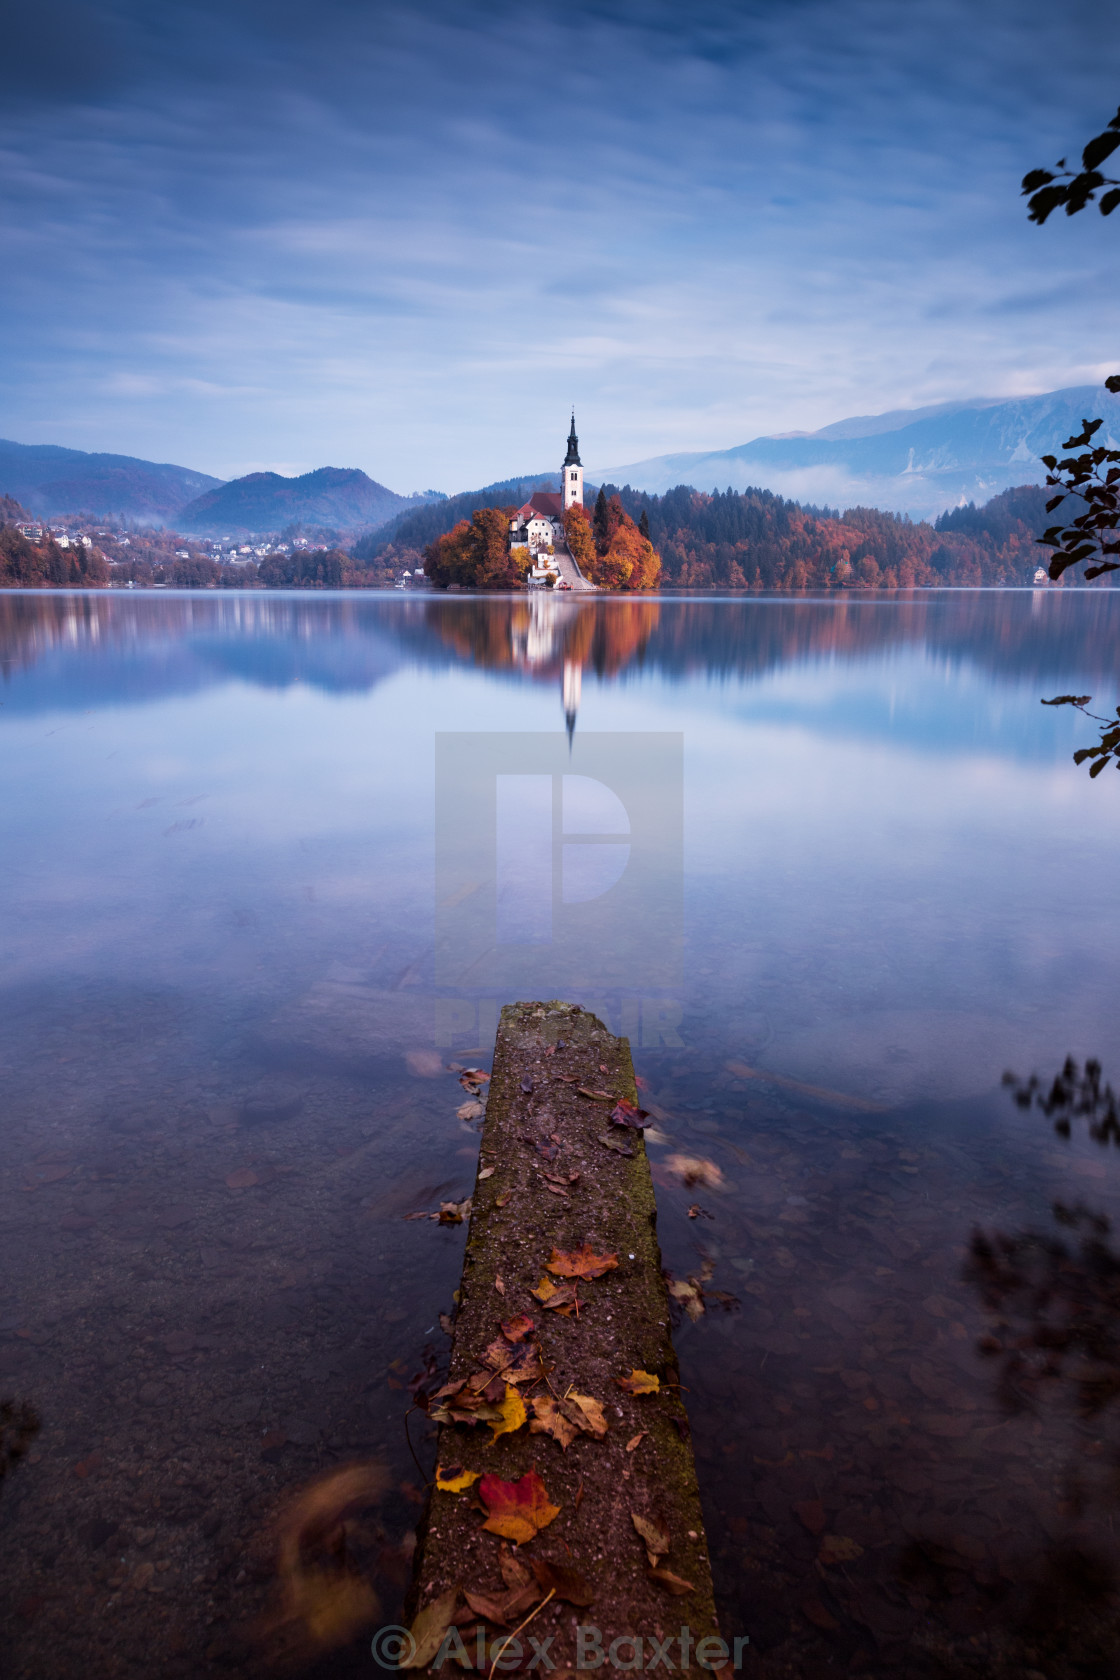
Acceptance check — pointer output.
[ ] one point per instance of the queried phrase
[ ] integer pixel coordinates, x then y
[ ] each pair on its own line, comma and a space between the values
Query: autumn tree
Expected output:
578, 535
475, 555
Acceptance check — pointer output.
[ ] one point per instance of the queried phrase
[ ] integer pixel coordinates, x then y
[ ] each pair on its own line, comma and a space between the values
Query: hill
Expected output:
415, 528
49, 480
915, 461
342, 498
755, 540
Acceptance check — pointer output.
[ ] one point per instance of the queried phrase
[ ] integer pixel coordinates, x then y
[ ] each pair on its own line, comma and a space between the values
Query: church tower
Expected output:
571, 473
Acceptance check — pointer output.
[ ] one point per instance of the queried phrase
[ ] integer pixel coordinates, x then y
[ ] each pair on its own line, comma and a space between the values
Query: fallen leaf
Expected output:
428, 1630
687, 1294
516, 1329
513, 1414
655, 1535
697, 1212
498, 1284
470, 1110
473, 1076
818, 1615
627, 1114
241, 1178
517, 1510
455, 1479
487, 1172
489, 1608
639, 1382
596, 1096
635, 1441
515, 1573
618, 1143
672, 1583
551, 1420
500, 1201
694, 1169
581, 1263
447, 1324
558, 1190
567, 1078
566, 1583
810, 1513
839, 1548
590, 1414
454, 1213
558, 1297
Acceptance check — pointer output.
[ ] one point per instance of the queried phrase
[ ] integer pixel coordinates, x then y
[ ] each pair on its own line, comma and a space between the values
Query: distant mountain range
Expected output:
49, 481
341, 498
918, 461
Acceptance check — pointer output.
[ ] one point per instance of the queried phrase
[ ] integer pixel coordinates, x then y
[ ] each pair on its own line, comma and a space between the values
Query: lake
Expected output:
270, 862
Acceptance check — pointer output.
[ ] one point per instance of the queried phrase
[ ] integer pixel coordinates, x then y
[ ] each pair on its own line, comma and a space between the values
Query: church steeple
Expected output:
572, 459
571, 473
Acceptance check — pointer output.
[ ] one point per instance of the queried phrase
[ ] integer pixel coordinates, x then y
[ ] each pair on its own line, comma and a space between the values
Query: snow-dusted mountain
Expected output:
918, 461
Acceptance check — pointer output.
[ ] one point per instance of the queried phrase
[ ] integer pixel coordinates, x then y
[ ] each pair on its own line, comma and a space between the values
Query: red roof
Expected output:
546, 502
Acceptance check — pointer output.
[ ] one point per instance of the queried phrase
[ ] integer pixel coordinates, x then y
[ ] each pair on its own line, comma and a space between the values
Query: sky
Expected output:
282, 234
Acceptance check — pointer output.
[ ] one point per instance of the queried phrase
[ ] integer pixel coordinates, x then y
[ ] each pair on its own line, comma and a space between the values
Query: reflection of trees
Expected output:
1055, 1297
543, 633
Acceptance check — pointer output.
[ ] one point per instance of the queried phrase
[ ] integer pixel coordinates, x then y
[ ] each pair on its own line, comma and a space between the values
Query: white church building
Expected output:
538, 524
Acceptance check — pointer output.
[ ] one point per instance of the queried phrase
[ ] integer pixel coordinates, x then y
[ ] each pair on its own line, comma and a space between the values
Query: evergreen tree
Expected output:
602, 523
643, 524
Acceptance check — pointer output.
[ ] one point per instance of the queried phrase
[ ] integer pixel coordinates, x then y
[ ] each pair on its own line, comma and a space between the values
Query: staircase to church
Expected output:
570, 572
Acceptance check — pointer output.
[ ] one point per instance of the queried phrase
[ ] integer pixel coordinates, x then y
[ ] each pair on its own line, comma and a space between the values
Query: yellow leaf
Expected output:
591, 1414
545, 1289
513, 1413
639, 1382
455, 1479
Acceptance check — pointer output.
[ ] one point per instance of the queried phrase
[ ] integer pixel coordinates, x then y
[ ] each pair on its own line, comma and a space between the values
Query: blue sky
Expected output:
287, 233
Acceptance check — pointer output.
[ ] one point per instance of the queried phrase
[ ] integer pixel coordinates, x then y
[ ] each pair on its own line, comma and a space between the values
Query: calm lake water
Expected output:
269, 863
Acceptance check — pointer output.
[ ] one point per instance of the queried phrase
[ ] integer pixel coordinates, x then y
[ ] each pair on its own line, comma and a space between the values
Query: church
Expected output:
539, 522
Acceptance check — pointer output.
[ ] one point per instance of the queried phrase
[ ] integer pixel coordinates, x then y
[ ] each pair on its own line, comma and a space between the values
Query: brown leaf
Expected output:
558, 1297
672, 1583
655, 1535
489, 1608
581, 1263
810, 1513
558, 1190
566, 1583
839, 1548
428, 1630
516, 1329
626, 1114
587, 1412
517, 1510
500, 1201
688, 1295
635, 1441
551, 1420
487, 1172
469, 1111
454, 1213
498, 1284
695, 1169
818, 1615
515, 1573
596, 1096
617, 1142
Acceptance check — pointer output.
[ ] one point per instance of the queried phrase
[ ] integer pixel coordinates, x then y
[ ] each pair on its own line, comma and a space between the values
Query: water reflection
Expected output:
222, 1099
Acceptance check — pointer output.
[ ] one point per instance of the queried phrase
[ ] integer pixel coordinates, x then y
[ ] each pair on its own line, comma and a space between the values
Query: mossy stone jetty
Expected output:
570, 1518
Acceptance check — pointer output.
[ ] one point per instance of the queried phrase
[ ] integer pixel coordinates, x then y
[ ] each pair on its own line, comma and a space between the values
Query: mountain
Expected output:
50, 480
342, 498
916, 461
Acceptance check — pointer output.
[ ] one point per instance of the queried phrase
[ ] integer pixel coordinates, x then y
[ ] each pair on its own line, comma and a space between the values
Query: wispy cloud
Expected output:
406, 238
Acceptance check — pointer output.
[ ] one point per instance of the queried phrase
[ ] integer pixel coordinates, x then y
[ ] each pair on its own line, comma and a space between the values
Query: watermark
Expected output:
682, 1652
559, 873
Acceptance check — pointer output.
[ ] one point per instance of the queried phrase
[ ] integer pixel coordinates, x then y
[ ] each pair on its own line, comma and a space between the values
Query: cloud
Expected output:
408, 238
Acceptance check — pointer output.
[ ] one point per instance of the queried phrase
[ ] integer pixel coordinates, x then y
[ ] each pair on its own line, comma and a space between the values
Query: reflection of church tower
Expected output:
571, 473
570, 689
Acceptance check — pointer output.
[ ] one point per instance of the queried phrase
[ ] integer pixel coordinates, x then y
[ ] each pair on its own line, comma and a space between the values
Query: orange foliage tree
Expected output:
475, 555
613, 553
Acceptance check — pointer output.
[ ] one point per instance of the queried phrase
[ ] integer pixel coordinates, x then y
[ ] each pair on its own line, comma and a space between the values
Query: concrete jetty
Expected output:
565, 1515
